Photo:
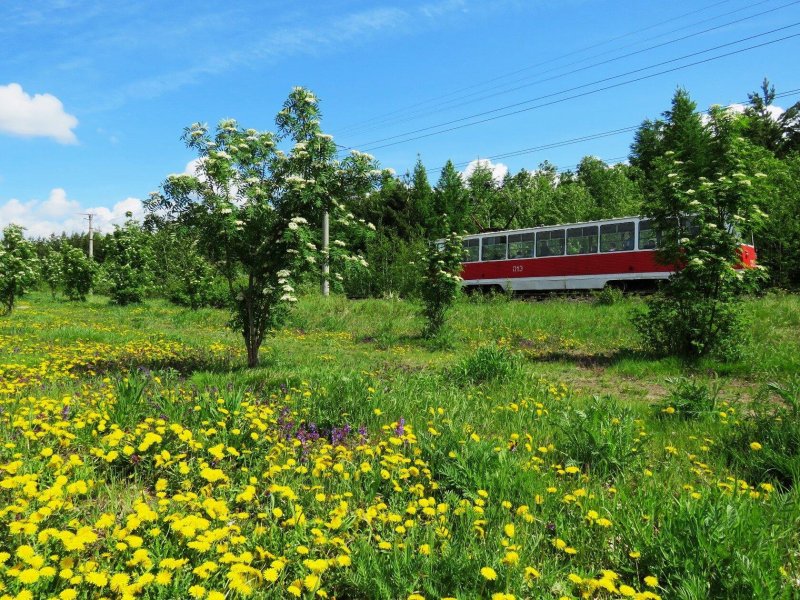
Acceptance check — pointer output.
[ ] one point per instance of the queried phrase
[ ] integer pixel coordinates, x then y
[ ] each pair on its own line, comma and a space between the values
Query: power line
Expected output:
349, 128
370, 147
576, 140
455, 103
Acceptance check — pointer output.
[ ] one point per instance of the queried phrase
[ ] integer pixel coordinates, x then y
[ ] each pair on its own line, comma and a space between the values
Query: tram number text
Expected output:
516, 269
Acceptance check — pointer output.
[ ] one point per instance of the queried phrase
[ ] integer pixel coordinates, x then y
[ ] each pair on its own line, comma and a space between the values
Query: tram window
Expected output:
582, 240
472, 250
690, 227
494, 248
550, 243
648, 239
617, 237
521, 245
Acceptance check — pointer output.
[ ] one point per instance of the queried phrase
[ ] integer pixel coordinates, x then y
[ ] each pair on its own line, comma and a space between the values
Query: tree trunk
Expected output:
252, 353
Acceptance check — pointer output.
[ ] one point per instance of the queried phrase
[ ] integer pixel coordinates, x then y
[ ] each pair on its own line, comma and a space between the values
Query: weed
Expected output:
689, 398
488, 363
601, 439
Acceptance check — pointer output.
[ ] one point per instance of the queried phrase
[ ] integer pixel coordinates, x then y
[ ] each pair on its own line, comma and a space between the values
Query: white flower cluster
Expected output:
357, 154
228, 124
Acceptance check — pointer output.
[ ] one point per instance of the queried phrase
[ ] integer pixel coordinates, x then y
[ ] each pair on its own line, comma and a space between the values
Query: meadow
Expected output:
533, 451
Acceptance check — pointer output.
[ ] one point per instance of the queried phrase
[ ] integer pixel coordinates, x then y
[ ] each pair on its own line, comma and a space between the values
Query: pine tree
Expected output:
451, 202
420, 205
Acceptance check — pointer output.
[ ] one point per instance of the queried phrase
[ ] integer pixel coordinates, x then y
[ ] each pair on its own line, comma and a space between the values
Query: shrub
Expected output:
129, 263
488, 363
608, 296
440, 282
51, 267
689, 399
77, 272
690, 326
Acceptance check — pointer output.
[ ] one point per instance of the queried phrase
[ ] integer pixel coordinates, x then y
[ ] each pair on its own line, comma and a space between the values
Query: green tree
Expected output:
760, 127
51, 269
129, 263
451, 202
256, 209
697, 217
681, 132
18, 267
77, 272
441, 281
421, 203
484, 201
613, 192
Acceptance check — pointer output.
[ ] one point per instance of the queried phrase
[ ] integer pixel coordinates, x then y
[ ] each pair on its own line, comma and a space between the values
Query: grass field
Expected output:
533, 452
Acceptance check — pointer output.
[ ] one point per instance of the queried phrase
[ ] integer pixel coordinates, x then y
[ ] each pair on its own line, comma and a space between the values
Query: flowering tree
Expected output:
77, 271
51, 270
700, 220
18, 267
254, 208
129, 262
441, 281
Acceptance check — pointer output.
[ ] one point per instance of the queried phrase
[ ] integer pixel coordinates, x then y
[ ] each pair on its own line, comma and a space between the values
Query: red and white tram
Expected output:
575, 256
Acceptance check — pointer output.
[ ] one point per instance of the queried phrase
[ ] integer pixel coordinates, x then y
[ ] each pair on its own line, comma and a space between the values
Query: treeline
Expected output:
407, 210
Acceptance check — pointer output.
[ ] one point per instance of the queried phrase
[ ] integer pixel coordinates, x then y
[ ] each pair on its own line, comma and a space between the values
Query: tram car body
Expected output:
575, 256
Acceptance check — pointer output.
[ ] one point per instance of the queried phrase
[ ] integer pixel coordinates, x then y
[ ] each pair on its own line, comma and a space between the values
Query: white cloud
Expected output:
192, 167
58, 214
774, 111
499, 170
40, 115
737, 108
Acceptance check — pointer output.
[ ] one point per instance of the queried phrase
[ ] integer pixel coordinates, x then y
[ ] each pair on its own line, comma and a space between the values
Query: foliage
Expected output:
601, 438
764, 444
401, 478
78, 272
252, 208
697, 218
689, 398
51, 267
608, 296
18, 267
392, 272
129, 263
490, 362
440, 281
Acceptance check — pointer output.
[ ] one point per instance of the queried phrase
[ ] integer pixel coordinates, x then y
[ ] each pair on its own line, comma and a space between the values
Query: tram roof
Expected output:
556, 226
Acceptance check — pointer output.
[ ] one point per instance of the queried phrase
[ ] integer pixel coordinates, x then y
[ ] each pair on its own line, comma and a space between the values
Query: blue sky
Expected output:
94, 95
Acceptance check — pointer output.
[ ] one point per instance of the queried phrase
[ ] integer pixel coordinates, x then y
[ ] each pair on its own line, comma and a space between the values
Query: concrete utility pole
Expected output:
326, 263
90, 216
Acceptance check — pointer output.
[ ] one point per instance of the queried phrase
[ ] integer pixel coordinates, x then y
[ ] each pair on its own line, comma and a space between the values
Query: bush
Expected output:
690, 327
77, 272
689, 399
440, 282
488, 363
601, 438
608, 296
129, 263
51, 267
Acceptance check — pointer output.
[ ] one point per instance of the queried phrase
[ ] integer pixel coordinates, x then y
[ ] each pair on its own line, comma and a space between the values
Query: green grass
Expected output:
515, 393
